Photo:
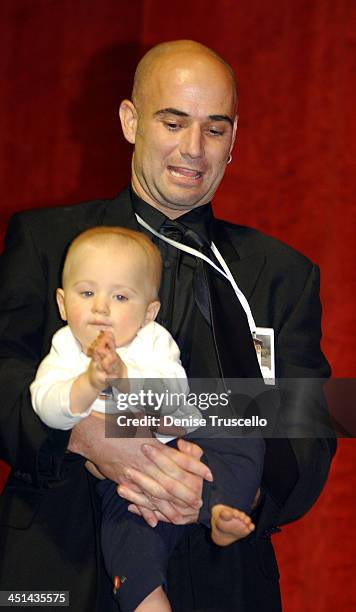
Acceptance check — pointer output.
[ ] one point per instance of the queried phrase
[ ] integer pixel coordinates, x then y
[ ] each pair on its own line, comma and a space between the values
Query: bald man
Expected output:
182, 123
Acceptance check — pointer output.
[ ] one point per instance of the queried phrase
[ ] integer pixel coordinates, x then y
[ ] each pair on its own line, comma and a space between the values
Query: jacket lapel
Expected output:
246, 264
233, 340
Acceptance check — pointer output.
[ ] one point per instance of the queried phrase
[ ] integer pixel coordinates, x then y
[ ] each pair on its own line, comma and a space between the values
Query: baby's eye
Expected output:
87, 293
120, 298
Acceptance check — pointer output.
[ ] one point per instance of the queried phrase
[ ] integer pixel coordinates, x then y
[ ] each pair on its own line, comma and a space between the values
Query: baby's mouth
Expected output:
100, 323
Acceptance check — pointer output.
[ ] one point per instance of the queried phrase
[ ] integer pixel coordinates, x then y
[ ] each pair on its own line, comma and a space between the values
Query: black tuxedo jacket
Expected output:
48, 505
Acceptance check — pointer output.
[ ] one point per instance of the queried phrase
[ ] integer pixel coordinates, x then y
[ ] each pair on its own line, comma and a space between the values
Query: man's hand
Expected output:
166, 474
185, 467
94, 470
111, 454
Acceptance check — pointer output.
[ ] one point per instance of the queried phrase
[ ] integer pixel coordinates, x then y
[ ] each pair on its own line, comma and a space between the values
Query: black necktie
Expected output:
172, 230
180, 233
219, 305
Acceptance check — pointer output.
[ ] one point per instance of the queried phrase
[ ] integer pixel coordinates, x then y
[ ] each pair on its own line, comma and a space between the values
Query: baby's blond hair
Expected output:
106, 235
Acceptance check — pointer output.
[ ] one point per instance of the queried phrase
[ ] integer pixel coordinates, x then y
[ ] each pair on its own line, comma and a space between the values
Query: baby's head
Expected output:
110, 282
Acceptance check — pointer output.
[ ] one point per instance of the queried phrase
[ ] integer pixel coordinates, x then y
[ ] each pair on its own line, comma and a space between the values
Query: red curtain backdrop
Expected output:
64, 68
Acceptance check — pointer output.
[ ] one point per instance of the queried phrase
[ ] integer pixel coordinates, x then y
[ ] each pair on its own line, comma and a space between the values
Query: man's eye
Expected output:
120, 298
215, 132
86, 294
171, 125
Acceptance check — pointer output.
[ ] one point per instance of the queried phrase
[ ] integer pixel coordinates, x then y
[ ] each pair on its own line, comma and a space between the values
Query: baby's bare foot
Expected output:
229, 525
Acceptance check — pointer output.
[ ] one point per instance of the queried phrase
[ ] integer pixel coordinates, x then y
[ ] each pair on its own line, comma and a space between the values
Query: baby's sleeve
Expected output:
50, 390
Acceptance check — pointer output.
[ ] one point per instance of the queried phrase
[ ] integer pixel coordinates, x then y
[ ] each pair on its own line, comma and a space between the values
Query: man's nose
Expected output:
191, 144
101, 304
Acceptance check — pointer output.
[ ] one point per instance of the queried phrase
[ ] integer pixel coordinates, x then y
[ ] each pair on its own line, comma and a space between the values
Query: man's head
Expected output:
182, 121
110, 282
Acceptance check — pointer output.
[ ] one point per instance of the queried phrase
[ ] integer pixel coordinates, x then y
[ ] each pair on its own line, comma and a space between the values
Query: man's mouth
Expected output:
185, 173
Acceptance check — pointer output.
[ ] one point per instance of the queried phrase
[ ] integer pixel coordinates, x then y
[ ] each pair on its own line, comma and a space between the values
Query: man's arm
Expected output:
296, 469
22, 304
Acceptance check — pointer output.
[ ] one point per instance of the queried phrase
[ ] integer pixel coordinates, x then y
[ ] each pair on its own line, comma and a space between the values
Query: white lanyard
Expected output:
225, 271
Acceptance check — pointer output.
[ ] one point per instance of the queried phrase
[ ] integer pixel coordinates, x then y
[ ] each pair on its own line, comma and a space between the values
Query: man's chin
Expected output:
182, 200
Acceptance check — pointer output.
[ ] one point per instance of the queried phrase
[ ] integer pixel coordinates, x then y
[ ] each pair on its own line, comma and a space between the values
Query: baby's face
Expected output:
106, 289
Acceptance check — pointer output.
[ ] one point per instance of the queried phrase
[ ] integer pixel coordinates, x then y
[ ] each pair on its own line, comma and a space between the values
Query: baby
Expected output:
109, 298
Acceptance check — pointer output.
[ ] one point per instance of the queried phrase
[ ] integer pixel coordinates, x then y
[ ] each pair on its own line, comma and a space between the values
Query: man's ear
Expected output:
152, 311
60, 302
234, 132
128, 118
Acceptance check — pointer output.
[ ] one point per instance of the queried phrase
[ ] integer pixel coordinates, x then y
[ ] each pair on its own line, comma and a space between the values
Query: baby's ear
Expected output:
152, 311
61, 305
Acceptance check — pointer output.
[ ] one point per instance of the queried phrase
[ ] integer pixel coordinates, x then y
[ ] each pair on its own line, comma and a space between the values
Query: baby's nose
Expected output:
101, 305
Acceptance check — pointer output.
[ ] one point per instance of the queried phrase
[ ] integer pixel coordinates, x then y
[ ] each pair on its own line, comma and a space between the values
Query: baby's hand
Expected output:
96, 374
103, 343
103, 352
104, 364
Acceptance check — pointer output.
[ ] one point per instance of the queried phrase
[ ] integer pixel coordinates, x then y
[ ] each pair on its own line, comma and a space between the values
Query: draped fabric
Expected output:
64, 68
